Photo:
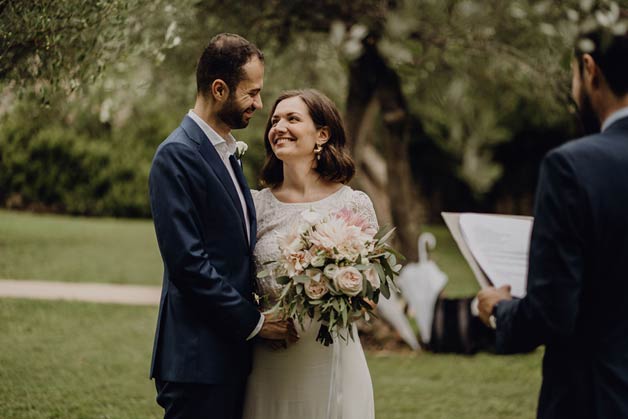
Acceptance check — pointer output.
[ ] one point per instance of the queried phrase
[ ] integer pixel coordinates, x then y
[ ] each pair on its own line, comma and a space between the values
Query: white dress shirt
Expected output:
225, 148
614, 117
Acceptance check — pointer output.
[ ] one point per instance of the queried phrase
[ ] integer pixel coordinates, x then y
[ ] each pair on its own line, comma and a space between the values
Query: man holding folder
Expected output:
577, 289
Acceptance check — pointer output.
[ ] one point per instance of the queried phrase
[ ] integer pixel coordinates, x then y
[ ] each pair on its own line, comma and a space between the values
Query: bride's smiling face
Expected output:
293, 135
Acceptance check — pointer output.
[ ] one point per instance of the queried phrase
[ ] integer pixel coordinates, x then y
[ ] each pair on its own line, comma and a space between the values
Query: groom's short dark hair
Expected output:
611, 56
223, 59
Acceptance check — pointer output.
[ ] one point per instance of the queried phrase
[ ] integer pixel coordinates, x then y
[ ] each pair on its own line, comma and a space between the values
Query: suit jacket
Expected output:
577, 290
206, 310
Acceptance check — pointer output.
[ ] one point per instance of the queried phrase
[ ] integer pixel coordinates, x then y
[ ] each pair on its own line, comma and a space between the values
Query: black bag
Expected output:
456, 330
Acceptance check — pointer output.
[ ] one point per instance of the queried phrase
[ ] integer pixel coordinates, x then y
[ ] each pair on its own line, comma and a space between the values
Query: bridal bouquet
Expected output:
333, 267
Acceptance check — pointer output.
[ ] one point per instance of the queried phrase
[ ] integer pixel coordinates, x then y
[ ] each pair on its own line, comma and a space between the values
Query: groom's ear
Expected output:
323, 135
219, 90
590, 71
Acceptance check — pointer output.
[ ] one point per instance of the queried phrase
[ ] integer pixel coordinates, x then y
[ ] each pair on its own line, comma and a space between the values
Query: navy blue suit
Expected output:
206, 310
577, 290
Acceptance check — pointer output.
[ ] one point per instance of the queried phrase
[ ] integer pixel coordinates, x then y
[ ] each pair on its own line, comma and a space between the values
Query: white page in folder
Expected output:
500, 245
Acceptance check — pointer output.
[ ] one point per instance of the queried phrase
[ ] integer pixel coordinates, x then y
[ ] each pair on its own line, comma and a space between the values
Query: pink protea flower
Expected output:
352, 218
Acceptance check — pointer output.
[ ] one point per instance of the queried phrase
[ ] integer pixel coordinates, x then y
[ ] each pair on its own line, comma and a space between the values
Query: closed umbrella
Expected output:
391, 310
420, 284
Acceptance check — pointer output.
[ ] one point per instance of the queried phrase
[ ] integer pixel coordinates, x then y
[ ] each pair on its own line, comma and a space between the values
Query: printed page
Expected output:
500, 245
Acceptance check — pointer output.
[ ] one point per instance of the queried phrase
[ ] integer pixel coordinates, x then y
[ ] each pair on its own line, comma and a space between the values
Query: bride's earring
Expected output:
317, 151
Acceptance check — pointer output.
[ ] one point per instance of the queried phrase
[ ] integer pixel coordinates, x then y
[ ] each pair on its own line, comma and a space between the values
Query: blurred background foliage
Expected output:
455, 101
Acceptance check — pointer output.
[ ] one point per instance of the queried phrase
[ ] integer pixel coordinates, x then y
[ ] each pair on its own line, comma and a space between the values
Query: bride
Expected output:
307, 167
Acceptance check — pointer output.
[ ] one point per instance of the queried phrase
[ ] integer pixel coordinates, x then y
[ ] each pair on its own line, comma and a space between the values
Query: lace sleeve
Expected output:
364, 207
257, 199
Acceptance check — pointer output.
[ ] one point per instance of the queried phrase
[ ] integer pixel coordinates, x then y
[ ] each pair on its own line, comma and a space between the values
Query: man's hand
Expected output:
280, 330
488, 298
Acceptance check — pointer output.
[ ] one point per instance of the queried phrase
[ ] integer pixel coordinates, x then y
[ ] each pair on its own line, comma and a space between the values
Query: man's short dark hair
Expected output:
223, 59
611, 56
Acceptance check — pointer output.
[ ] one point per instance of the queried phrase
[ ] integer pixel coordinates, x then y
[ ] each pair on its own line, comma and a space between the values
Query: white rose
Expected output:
371, 276
241, 148
318, 261
348, 280
316, 287
330, 270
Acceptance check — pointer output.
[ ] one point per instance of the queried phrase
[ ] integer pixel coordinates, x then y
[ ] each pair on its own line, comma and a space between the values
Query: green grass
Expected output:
77, 249
90, 361
75, 360
428, 386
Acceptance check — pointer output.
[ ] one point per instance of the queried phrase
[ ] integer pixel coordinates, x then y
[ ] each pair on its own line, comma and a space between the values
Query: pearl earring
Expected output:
317, 151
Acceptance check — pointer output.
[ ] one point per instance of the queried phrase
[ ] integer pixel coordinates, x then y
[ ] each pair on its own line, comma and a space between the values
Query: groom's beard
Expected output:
589, 122
233, 116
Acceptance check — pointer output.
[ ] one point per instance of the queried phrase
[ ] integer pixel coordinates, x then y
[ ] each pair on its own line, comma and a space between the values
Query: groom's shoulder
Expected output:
579, 149
178, 139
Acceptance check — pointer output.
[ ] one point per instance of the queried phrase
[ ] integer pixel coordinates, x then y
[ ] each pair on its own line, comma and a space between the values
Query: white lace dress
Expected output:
294, 383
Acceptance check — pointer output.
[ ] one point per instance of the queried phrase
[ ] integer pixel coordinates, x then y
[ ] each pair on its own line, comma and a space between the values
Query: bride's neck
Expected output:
300, 179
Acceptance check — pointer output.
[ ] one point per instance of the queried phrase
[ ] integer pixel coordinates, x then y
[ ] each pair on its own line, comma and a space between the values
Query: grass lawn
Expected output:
90, 361
78, 249
71, 360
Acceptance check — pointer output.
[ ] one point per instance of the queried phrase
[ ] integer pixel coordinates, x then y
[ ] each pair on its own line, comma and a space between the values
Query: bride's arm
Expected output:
364, 207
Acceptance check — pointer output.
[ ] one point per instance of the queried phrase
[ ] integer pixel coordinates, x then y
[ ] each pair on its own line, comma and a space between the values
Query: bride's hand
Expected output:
276, 329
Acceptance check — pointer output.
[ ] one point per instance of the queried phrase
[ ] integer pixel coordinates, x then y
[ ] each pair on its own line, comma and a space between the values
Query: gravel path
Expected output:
81, 291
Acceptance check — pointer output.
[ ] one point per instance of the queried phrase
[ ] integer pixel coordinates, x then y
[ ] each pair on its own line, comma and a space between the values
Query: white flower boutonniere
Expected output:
241, 148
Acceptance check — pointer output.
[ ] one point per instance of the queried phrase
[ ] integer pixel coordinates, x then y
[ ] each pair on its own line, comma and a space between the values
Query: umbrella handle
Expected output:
427, 242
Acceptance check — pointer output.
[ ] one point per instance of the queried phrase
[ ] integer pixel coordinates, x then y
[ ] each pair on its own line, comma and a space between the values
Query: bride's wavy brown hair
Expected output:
335, 164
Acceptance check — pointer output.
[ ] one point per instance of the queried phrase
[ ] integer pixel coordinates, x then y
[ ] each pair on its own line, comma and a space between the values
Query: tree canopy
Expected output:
439, 96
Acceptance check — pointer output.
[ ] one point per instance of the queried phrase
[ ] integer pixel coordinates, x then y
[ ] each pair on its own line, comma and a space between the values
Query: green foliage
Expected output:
46, 45
51, 164
474, 78
55, 167
58, 40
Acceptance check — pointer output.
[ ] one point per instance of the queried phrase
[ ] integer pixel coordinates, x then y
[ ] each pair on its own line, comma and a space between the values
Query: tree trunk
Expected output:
372, 92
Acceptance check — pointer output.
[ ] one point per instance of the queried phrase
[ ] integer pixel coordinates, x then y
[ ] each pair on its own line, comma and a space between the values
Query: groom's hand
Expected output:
488, 298
276, 329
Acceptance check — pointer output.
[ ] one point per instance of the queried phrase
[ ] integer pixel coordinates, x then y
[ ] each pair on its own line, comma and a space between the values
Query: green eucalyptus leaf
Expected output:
384, 289
282, 280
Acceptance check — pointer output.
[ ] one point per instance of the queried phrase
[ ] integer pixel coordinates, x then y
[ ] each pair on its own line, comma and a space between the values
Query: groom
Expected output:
577, 292
205, 225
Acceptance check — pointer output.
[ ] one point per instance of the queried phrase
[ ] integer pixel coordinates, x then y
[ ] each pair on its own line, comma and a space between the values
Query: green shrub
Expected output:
53, 167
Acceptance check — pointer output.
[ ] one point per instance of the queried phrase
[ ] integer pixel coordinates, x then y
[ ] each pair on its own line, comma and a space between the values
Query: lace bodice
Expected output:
275, 217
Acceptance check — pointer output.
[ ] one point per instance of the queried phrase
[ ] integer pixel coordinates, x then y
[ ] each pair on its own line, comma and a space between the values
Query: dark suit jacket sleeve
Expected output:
180, 239
555, 278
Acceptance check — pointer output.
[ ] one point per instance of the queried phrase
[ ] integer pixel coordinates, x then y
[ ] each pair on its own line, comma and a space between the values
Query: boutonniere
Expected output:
241, 148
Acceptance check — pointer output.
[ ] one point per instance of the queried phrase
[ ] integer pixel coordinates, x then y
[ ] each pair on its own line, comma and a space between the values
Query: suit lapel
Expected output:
247, 198
210, 155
